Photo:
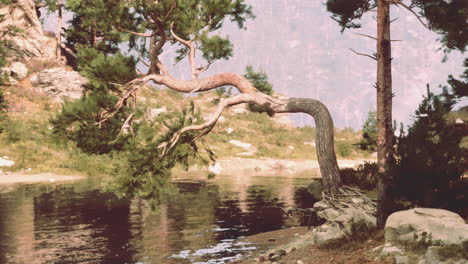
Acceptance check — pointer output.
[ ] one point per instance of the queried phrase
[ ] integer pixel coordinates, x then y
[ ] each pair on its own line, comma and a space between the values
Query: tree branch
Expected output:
191, 48
400, 3
136, 33
364, 35
363, 54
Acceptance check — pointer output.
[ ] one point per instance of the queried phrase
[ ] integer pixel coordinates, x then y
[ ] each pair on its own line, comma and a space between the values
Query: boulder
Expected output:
59, 83
428, 229
5, 162
30, 42
315, 189
16, 70
434, 226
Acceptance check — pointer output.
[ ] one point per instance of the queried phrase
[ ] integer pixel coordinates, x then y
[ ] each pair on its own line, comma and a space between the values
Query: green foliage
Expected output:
147, 172
215, 48
369, 132
431, 161
460, 87
344, 149
105, 72
449, 19
260, 81
78, 119
346, 11
364, 177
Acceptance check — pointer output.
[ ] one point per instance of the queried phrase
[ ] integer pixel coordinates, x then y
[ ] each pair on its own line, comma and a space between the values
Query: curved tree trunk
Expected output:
249, 94
324, 138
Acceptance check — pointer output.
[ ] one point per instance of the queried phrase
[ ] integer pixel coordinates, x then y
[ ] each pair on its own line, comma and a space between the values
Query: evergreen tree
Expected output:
447, 18
432, 155
369, 132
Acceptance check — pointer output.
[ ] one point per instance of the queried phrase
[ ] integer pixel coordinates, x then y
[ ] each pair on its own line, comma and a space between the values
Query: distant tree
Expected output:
369, 132
447, 18
149, 27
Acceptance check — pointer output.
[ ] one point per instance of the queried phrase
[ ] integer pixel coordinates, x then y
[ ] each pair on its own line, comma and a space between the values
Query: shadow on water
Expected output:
78, 223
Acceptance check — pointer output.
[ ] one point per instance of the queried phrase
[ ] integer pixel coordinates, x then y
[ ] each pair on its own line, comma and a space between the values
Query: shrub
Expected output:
260, 81
344, 149
364, 177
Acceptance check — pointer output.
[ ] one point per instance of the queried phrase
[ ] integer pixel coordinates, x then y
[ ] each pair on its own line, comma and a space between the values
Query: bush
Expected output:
344, 149
260, 81
364, 177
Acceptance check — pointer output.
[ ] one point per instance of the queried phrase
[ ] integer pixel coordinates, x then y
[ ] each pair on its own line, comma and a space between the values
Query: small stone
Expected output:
276, 255
271, 239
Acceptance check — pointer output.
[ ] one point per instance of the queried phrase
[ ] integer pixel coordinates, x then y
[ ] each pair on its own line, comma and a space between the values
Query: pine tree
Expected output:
448, 19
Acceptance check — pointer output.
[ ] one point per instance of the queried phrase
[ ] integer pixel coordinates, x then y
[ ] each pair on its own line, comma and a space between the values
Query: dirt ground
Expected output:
352, 252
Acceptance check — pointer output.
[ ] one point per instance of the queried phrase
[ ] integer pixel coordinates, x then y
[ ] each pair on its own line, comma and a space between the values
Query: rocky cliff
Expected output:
21, 29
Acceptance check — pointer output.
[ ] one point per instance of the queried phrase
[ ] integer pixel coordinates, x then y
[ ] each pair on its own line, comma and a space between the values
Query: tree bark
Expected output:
384, 110
324, 138
59, 32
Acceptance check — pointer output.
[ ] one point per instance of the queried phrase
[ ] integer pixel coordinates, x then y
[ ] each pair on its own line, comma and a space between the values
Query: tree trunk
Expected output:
324, 138
59, 32
384, 110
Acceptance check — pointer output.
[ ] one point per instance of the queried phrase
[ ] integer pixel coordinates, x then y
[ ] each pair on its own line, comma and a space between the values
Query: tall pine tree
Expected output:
447, 18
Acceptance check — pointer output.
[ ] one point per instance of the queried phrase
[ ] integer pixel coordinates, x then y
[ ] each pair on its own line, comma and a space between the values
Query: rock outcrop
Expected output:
353, 216
59, 83
22, 30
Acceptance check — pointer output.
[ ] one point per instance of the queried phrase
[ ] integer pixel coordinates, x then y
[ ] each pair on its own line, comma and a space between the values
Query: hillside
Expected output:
28, 138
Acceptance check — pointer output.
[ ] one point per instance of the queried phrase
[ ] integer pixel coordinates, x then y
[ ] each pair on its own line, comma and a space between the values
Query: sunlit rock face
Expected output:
59, 83
23, 32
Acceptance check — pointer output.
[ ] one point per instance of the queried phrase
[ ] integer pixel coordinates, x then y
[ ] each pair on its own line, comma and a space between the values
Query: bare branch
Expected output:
374, 38
393, 20
238, 99
363, 54
191, 48
364, 35
136, 33
400, 3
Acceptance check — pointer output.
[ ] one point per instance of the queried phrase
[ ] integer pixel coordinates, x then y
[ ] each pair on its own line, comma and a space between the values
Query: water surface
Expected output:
78, 223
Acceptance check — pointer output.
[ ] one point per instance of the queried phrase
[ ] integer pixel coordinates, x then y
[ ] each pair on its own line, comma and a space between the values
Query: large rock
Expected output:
30, 42
16, 71
315, 189
435, 226
59, 83
432, 230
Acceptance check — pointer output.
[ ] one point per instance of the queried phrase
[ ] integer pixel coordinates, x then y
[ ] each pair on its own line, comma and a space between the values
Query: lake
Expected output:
79, 223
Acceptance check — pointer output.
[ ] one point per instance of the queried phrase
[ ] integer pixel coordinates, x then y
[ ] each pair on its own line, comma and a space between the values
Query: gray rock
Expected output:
327, 233
315, 189
431, 225
30, 42
59, 83
17, 70
391, 250
401, 259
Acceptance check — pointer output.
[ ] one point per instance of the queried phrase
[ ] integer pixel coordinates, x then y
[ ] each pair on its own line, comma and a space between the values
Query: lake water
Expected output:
78, 223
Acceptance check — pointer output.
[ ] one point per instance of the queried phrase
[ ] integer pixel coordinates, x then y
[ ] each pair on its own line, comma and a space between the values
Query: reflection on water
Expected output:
78, 223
